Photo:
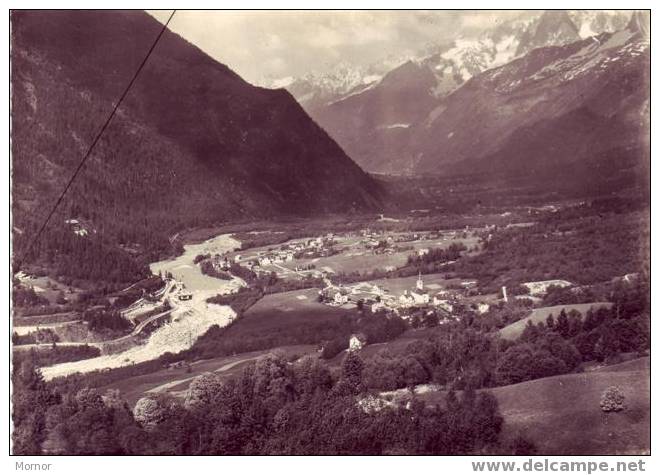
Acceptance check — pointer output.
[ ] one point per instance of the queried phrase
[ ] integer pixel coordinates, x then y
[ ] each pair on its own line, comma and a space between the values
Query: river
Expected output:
190, 319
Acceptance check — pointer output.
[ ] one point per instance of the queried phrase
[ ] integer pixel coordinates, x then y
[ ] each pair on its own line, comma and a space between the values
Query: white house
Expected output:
482, 308
334, 295
442, 303
185, 296
542, 286
420, 297
406, 299
356, 342
417, 296
265, 261
340, 299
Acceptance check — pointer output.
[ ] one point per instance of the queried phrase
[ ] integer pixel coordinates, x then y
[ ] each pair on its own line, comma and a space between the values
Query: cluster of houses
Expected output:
383, 239
362, 293
410, 303
77, 227
541, 287
309, 248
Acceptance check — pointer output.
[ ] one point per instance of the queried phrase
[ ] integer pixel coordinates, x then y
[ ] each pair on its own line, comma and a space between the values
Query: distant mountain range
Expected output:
461, 58
580, 109
192, 144
461, 101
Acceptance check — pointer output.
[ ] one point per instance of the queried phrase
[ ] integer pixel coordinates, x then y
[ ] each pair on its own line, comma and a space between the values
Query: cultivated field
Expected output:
285, 310
355, 257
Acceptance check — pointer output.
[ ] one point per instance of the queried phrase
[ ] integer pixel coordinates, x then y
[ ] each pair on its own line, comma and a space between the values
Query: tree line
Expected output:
273, 407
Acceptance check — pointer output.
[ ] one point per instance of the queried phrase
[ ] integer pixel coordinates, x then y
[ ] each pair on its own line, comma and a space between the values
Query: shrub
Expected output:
612, 399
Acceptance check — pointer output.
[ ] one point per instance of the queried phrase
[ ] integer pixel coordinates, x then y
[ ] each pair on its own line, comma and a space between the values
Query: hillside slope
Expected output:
192, 144
390, 129
561, 414
583, 105
567, 407
515, 329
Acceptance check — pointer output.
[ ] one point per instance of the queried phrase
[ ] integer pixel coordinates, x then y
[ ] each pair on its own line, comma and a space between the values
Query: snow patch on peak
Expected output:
371, 78
282, 82
394, 126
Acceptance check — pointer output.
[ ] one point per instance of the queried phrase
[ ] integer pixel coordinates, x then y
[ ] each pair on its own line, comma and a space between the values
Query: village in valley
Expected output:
428, 260
374, 291
374, 271
434, 295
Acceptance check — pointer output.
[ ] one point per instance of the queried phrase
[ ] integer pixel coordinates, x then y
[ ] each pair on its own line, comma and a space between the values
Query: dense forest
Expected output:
584, 245
303, 406
272, 407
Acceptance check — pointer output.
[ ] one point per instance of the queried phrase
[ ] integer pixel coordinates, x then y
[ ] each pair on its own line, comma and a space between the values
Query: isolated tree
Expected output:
612, 399
149, 412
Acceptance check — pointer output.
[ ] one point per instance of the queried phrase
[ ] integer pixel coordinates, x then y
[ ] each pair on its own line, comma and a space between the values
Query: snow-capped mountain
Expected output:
317, 89
455, 62
594, 22
552, 28
358, 107
576, 110
467, 57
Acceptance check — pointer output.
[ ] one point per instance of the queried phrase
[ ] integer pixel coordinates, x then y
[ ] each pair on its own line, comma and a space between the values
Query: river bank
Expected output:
190, 319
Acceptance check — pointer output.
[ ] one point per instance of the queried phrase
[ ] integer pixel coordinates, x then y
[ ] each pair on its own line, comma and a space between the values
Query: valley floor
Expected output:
558, 414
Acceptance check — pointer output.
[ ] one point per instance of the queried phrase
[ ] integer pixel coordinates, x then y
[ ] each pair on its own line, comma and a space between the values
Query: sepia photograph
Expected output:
329, 232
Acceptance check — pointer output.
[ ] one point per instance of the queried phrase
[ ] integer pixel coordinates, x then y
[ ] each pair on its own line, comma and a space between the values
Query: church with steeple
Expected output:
417, 296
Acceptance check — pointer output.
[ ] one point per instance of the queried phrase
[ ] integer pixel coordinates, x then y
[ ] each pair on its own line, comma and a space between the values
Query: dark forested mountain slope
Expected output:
192, 144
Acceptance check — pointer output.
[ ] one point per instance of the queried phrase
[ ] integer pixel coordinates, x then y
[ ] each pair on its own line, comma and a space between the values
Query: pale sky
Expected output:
277, 44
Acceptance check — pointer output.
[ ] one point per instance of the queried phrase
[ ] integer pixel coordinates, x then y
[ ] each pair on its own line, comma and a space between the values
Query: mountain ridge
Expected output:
380, 149
192, 144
